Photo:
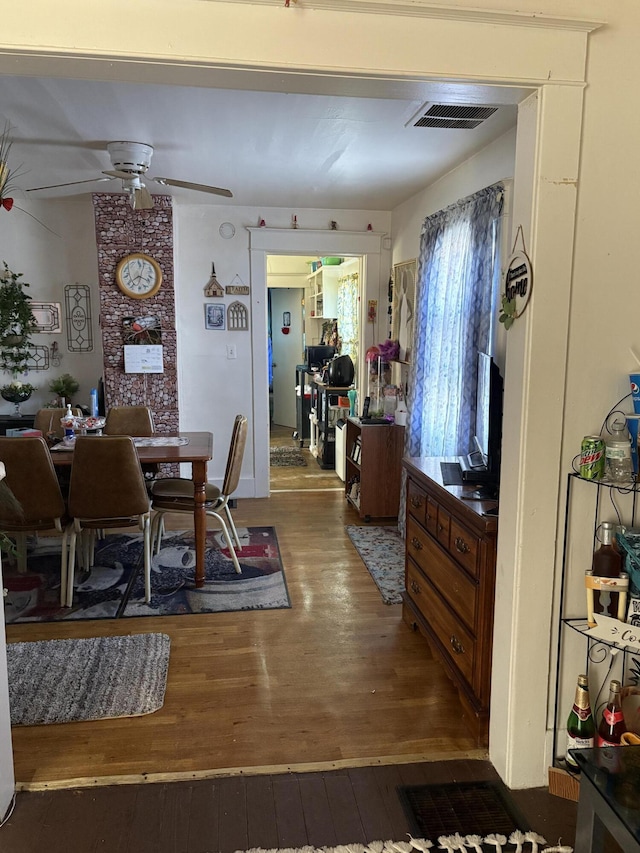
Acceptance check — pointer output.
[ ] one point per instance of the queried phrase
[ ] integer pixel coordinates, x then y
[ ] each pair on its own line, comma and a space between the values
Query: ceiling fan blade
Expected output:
187, 185
124, 176
141, 199
68, 184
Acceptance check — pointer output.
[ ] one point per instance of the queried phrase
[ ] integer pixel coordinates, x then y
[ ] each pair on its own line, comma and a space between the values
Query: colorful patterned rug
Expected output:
382, 552
114, 587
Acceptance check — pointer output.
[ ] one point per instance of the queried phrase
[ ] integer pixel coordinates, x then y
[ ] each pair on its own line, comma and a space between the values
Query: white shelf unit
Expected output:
322, 292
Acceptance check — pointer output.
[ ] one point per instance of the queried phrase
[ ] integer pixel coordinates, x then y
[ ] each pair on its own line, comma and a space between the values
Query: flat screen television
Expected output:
318, 356
482, 464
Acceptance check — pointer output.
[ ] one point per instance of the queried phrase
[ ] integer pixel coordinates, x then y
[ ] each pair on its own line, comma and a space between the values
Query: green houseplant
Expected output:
17, 322
64, 386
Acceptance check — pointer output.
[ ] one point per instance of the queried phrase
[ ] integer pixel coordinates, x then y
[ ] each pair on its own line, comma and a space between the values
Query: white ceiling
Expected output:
270, 148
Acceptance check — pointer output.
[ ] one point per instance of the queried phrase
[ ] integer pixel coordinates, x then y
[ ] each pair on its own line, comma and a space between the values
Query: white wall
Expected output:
48, 261
212, 388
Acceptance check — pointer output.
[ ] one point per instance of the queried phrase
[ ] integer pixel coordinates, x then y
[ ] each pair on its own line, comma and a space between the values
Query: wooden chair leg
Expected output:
71, 566
147, 558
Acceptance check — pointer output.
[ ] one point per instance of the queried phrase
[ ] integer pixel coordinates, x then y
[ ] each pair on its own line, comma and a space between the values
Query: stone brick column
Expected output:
119, 232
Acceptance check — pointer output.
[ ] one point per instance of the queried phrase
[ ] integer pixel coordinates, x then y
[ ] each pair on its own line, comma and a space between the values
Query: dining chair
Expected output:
32, 500
107, 490
129, 420
175, 494
48, 421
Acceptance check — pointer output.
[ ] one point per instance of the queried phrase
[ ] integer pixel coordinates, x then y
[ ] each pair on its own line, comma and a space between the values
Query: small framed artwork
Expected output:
214, 316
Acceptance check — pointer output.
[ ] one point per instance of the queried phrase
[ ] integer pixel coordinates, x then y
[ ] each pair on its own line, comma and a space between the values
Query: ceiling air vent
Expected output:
464, 117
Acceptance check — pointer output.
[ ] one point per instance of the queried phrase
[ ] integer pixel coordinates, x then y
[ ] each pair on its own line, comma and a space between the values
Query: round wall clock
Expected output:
227, 230
138, 276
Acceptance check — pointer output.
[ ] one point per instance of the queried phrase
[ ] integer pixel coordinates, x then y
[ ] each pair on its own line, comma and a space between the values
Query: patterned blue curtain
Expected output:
456, 289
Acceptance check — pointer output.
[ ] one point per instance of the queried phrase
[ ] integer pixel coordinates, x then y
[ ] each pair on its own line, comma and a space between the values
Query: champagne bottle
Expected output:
612, 725
581, 728
607, 563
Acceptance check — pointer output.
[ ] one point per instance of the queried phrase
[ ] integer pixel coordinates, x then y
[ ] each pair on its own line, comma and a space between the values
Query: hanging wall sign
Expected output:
517, 283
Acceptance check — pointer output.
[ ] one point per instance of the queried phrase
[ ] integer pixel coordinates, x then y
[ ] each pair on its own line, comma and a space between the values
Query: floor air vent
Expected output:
464, 117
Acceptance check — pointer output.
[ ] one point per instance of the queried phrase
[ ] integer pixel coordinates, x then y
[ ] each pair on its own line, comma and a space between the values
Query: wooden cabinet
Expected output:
373, 468
450, 582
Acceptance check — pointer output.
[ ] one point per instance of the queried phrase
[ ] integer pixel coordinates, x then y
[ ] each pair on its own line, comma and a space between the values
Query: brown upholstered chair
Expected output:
107, 490
31, 480
175, 494
48, 421
129, 420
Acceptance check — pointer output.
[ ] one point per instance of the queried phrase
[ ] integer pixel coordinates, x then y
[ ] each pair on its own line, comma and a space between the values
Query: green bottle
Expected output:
580, 726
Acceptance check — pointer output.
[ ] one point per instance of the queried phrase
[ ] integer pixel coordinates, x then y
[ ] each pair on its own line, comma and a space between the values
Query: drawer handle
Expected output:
456, 645
461, 545
440, 528
416, 501
429, 517
415, 587
417, 544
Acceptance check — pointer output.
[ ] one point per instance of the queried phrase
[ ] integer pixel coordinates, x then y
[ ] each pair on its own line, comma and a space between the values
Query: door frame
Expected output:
280, 241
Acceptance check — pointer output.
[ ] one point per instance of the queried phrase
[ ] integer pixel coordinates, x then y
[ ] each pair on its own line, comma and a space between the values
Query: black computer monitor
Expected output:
318, 356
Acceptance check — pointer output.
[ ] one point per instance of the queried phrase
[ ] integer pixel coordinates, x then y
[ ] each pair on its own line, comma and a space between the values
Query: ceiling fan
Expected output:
130, 161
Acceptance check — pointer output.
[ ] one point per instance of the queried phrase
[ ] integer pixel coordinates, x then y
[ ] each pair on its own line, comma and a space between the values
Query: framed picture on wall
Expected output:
214, 315
403, 306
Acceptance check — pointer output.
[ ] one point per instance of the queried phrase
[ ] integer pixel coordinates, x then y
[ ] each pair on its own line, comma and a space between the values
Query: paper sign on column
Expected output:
143, 359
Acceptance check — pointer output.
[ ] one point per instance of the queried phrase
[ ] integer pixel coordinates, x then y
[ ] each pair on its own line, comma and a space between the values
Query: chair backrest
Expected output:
129, 420
48, 421
32, 479
106, 478
236, 452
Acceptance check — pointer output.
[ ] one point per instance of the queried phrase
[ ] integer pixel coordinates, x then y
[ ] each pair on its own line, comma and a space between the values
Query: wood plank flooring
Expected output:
356, 805
287, 727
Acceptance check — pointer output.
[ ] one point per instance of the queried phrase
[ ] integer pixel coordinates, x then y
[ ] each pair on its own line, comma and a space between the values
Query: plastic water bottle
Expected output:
69, 433
618, 466
93, 406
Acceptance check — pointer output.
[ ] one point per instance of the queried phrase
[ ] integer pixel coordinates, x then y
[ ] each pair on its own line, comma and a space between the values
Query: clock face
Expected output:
138, 276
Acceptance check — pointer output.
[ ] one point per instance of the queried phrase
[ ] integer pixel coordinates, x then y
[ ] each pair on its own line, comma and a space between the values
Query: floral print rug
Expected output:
382, 552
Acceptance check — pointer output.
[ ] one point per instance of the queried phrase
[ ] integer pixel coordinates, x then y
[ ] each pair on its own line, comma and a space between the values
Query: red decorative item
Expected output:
285, 330
369, 227
7, 203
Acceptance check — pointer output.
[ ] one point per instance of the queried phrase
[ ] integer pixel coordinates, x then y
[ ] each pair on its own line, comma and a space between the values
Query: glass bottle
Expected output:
607, 563
612, 725
581, 728
618, 465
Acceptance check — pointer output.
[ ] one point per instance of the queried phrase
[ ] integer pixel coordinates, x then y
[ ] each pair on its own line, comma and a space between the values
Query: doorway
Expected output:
308, 304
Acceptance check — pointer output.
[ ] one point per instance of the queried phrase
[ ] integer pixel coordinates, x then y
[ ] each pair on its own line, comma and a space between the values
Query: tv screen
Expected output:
483, 463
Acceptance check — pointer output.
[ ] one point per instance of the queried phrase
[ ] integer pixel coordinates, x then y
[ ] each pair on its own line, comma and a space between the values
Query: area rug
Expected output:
382, 552
62, 681
470, 808
518, 842
286, 457
114, 587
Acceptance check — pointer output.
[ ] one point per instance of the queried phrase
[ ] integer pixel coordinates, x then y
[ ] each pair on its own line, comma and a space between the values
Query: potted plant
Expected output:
16, 392
17, 322
64, 387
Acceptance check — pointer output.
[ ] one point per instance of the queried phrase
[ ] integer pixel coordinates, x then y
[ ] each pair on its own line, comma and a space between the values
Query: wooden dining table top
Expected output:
198, 449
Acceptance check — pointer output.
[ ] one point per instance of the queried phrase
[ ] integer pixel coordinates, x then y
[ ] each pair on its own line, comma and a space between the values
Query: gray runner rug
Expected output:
62, 681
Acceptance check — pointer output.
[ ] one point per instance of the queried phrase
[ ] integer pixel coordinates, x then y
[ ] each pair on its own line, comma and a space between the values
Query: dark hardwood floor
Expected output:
242, 812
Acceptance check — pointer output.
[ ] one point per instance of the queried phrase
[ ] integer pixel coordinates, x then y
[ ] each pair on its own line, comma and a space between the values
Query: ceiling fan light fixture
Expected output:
130, 157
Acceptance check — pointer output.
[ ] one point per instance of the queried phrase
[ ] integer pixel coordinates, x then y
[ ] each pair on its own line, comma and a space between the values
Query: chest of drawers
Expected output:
450, 582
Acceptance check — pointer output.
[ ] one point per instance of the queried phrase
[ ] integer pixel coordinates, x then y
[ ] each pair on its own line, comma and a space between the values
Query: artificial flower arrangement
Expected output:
16, 391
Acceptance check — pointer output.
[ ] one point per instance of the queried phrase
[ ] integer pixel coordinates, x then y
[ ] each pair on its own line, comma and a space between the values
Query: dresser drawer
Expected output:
457, 642
453, 584
443, 527
465, 547
416, 502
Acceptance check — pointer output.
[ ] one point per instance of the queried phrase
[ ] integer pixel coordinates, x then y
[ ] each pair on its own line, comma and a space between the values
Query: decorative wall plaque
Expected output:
237, 317
237, 290
77, 303
38, 358
48, 316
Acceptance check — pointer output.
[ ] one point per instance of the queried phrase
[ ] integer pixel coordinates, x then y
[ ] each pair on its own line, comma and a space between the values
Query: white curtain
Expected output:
348, 298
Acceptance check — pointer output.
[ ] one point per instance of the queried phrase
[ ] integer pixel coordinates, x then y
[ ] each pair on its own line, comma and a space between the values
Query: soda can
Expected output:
592, 458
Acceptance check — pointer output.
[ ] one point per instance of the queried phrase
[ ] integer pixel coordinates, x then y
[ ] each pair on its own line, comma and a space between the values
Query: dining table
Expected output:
195, 448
